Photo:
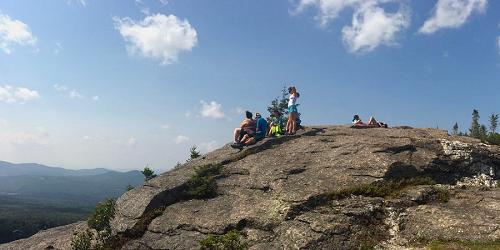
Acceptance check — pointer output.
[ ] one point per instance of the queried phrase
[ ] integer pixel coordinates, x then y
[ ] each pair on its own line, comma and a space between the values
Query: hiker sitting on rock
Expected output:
247, 127
276, 124
260, 133
357, 122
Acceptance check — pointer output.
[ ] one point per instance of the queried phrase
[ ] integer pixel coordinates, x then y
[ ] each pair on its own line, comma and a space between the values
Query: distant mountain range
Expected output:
13, 169
87, 186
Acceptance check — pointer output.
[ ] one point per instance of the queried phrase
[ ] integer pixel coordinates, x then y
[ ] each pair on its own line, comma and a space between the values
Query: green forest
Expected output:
23, 217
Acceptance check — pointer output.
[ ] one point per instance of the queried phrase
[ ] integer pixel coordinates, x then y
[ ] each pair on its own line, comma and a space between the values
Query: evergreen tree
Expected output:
455, 129
194, 153
483, 132
280, 104
474, 127
493, 123
148, 173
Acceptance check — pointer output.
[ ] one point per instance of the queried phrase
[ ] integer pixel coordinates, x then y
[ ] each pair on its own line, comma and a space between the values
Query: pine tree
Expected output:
280, 104
474, 127
455, 129
493, 123
483, 132
194, 153
148, 173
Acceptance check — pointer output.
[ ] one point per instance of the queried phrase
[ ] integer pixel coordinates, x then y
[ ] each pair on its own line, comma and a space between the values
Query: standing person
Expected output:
291, 125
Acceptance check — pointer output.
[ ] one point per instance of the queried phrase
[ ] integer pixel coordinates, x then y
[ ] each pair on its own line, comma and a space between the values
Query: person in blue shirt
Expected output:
260, 132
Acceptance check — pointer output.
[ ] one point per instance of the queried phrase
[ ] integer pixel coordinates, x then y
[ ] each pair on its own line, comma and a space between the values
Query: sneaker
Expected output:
237, 145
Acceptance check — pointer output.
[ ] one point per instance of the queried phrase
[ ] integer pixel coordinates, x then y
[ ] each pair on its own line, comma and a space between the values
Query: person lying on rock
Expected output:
260, 133
247, 127
357, 122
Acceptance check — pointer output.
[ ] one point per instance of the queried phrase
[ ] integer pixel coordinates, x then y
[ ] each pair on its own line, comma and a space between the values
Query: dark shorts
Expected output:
243, 133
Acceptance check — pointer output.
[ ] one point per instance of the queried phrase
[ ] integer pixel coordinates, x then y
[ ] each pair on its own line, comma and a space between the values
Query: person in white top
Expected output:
291, 125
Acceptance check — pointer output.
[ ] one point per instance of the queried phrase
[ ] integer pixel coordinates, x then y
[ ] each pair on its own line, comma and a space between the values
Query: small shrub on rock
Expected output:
202, 184
102, 215
82, 240
229, 241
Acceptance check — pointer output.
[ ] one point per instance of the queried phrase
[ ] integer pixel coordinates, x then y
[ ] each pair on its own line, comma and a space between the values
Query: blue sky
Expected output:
123, 84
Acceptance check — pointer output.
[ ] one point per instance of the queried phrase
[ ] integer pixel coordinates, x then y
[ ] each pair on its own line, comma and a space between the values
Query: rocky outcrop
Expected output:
319, 190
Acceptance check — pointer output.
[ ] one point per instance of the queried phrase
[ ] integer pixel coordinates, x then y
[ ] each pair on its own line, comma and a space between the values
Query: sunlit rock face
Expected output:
331, 187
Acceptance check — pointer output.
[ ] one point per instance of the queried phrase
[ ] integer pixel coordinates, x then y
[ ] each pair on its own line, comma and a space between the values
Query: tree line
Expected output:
487, 134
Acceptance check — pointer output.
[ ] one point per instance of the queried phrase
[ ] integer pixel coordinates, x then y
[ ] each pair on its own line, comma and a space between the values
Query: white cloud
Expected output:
371, 25
11, 94
187, 114
452, 14
73, 94
498, 44
239, 110
327, 9
60, 88
165, 126
131, 142
57, 49
158, 36
181, 139
206, 147
211, 110
78, 2
14, 32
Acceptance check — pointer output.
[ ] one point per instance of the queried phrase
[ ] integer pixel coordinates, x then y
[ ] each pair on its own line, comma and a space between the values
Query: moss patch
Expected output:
229, 241
463, 245
383, 188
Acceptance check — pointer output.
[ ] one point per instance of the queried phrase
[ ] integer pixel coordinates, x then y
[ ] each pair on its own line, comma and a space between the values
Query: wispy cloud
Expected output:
206, 147
371, 26
11, 94
73, 93
58, 48
211, 110
131, 142
78, 2
14, 32
452, 14
180, 139
158, 36
498, 44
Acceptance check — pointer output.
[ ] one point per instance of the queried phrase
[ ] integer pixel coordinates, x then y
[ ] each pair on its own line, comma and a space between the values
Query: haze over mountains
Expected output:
38, 181
35, 197
13, 169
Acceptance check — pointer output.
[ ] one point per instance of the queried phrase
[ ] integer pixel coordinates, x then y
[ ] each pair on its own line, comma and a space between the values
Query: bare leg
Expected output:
372, 121
293, 123
250, 141
289, 124
237, 132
